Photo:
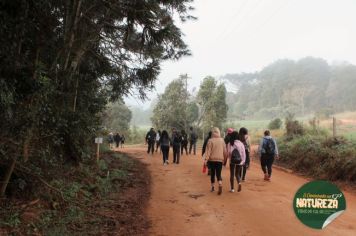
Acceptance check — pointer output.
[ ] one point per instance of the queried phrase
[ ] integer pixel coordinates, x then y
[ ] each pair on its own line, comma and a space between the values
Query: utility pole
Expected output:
185, 77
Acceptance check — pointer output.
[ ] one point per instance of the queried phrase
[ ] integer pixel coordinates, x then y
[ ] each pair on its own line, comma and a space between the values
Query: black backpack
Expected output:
235, 156
268, 146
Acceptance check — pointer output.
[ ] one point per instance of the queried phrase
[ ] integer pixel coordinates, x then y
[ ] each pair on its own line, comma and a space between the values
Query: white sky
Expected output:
234, 36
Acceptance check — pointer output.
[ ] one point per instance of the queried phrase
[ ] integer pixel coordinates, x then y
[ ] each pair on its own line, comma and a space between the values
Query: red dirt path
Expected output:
181, 203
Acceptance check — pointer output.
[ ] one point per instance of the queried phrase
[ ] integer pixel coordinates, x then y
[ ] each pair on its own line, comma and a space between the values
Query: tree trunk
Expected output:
7, 177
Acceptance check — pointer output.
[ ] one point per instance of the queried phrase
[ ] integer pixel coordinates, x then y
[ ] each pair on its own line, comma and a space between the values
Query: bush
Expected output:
322, 158
275, 124
293, 127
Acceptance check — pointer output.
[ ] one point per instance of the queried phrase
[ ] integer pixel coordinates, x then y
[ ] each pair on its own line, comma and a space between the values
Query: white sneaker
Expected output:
232, 191
167, 162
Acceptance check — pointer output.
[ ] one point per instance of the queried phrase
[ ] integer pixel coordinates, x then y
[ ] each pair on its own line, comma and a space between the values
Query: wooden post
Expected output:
97, 151
334, 127
98, 141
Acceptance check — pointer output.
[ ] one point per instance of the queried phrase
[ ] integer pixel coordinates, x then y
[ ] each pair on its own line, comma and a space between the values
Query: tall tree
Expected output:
212, 100
117, 117
170, 110
62, 60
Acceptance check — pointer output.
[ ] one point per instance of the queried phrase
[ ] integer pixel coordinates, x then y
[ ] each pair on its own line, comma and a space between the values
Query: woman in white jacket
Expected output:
237, 159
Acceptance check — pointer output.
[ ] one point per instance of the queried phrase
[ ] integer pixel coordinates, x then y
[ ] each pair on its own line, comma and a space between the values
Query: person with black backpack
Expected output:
268, 151
237, 156
165, 141
150, 140
176, 142
184, 142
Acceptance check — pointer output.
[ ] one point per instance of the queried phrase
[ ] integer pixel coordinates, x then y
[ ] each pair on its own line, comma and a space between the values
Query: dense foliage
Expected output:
320, 157
117, 117
171, 108
62, 60
307, 86
177, 108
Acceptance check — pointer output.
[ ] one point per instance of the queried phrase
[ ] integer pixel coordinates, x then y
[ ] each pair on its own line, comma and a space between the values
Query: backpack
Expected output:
268, 146
177, 139
235, 156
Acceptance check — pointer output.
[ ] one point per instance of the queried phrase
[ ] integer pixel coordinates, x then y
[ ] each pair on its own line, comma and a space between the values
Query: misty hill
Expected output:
307, 86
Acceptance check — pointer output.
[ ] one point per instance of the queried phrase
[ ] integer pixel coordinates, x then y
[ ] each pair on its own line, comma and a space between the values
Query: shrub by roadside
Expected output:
320, 157
104, 199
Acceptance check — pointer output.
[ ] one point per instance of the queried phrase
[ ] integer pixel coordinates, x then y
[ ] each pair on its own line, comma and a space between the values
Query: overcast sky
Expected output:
234, 36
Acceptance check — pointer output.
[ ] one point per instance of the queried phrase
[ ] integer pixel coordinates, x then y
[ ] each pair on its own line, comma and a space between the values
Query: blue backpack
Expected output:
268, 146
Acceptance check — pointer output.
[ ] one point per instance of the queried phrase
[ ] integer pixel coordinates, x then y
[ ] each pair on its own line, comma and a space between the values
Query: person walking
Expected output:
192, 141
228, 134
158, 136
216, 155
122, 141
237, 156
165, 141
203, 150
184, 142
268, 151
111, 140
176, 143
244, 138
117, 139
150, 140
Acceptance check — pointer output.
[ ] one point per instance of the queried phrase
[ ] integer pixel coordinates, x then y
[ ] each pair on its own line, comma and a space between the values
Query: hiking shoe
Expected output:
239, 188
220, 190
232, 190
266, 177
212, 189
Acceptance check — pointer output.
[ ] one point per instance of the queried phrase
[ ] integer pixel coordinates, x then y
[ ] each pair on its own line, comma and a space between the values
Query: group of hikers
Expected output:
235, 147
178, 140
116, 140
216, 152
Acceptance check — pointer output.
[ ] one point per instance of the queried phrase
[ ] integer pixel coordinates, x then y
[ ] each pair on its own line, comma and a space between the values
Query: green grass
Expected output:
350, 135
254, 124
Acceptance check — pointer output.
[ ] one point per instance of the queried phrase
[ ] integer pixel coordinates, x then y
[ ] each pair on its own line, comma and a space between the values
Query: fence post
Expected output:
334, 127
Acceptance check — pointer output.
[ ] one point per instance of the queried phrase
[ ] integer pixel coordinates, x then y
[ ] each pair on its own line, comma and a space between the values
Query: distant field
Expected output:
350, 135
346, 125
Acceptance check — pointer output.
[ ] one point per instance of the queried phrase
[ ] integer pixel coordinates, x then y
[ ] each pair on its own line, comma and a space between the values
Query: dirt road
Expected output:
181, 203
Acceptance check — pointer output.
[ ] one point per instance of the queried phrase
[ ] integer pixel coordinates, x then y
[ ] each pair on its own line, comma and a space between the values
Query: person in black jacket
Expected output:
165, 141
150, 140
176, 142
243, 137
117, 139
192, 141
184, 142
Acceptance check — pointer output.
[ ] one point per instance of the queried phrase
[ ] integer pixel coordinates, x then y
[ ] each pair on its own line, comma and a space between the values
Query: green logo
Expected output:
318, 203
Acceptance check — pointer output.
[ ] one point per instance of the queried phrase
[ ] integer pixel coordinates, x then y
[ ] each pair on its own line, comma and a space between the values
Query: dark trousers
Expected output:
235, 171
215, 170
151, 146
176, 153
192, 145
246, 165
157, 146
267, 162
184, 146
165, 153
